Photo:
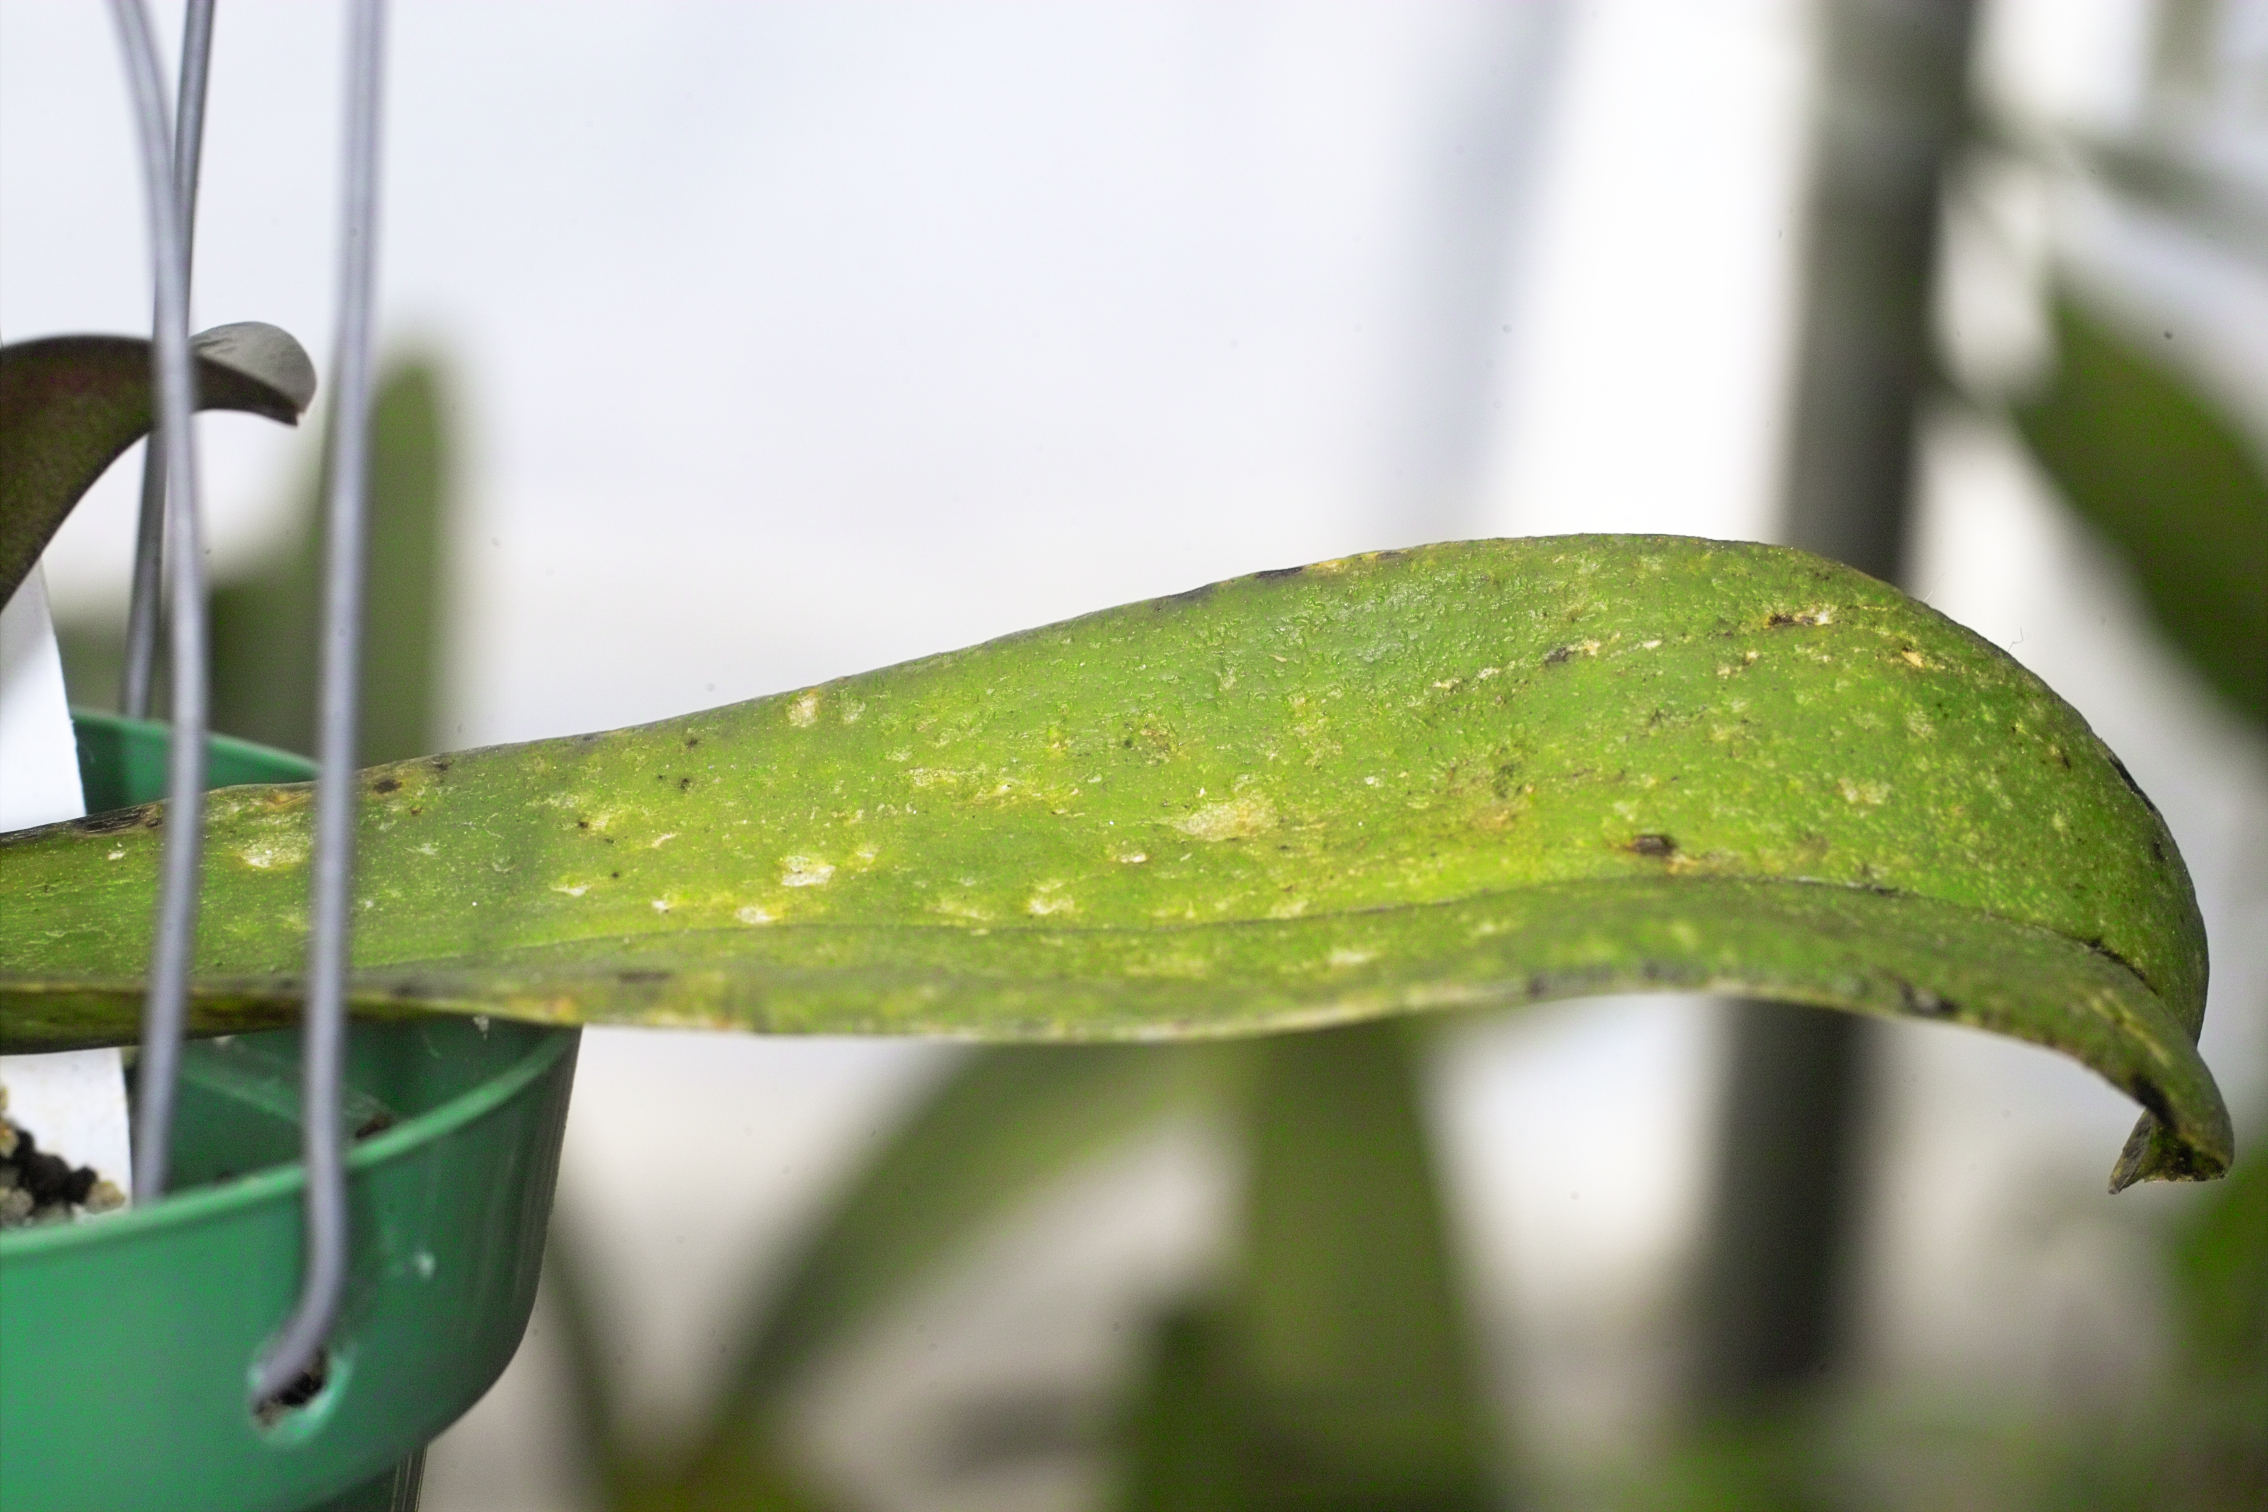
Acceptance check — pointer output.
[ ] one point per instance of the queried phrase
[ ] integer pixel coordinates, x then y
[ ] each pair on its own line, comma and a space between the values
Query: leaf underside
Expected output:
1463, 775
70, 404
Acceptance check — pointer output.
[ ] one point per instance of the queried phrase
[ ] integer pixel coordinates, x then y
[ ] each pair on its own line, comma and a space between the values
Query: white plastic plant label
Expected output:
72, 1102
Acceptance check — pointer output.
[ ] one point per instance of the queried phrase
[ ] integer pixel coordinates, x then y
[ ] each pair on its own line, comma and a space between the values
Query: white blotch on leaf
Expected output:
1343, 957
1238, 818
805, 871
753, 915
803, 713
266, 855
575, 891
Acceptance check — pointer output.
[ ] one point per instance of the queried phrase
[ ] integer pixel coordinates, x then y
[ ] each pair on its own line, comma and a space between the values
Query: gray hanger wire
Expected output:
169, 181
346, 507
143, 608
175, 932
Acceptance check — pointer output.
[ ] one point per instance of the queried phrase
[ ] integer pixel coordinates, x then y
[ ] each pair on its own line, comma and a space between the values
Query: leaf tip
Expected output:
2154, 1152
268, 355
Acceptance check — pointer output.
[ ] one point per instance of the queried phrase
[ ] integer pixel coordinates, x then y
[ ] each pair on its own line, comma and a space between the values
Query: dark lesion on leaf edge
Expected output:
110, 823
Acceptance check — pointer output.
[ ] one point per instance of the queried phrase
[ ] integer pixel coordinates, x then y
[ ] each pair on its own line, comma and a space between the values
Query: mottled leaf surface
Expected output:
70, 404
1462, 775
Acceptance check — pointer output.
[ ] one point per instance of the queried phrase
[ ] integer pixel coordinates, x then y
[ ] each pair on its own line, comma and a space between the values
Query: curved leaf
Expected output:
70, 404
1466, 774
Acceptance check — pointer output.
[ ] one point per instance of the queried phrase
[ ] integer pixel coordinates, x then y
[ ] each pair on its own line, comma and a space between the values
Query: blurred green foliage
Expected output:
1332, 1372
2172, 484
1336, 1372
266, 621
265, 616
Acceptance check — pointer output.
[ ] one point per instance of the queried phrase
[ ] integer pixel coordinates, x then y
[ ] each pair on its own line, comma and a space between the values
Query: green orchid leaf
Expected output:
2175, 487
1467, 774
70, 404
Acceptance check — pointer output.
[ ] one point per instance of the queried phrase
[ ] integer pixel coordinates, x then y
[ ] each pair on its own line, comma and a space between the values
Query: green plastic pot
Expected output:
127, 1342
